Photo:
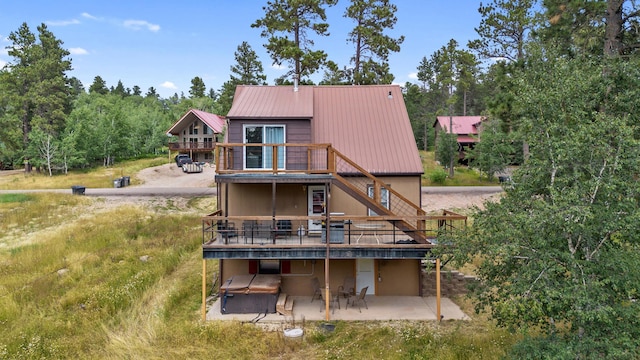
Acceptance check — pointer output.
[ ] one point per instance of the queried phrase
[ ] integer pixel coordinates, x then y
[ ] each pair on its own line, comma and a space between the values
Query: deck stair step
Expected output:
288, 306
284, 305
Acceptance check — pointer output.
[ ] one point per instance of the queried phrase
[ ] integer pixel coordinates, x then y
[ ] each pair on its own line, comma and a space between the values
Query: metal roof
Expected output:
369, 124
259, 102
461, 124
213, 121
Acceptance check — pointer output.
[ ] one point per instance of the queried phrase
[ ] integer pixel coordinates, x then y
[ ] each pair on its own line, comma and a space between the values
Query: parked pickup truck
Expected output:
193, 167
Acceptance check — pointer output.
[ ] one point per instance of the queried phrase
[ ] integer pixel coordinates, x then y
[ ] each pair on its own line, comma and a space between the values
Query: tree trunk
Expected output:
613, 28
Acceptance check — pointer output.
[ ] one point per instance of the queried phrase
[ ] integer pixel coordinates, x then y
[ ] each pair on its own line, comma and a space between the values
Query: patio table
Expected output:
369, 226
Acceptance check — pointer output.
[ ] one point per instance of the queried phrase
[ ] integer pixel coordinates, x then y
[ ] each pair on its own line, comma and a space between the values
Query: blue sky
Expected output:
165, 44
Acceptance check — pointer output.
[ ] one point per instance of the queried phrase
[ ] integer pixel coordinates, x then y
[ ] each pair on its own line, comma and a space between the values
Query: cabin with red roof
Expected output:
197, 132
466, 128
318, 184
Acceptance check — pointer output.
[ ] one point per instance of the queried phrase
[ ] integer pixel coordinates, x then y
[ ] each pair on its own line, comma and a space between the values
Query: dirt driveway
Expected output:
169, 175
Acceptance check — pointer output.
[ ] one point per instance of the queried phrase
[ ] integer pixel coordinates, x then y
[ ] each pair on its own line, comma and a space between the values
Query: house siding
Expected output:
298, 282
297, 131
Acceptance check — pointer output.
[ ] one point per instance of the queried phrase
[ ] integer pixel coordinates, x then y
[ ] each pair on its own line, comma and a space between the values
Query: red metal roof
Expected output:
461, 124
215, 122
258, 102
368, 124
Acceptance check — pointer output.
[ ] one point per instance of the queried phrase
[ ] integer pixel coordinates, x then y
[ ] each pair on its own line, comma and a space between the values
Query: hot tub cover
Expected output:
242, 294
252, 284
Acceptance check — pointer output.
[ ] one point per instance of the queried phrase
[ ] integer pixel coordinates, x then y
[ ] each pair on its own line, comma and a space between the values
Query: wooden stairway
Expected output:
359, 190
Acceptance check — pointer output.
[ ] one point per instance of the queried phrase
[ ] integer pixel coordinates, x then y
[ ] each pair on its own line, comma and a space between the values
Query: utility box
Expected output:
336, 229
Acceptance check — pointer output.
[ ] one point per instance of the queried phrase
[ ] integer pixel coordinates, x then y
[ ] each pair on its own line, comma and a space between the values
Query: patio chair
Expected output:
315, 285
283, 228
227, 230
333, 301
358, 300
348, 287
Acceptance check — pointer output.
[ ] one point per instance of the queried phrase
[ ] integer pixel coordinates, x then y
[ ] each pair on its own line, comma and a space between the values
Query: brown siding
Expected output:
399, 277
255, 199
298, 283
297, 132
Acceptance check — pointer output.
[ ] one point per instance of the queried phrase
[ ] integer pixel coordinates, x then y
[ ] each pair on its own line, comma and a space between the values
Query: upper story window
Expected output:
261, 157
207, 130
384, 198
193, 129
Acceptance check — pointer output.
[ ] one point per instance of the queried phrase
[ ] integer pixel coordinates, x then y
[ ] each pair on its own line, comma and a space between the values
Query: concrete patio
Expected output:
381, 308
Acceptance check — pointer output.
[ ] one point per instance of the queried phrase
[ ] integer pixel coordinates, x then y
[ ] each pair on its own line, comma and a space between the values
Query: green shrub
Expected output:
438, 176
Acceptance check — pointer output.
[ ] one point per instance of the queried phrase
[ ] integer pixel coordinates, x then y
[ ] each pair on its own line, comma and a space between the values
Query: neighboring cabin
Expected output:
466, 128
198, 132
299, 158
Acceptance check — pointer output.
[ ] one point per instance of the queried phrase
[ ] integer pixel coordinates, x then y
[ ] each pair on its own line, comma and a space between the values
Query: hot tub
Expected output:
245, 294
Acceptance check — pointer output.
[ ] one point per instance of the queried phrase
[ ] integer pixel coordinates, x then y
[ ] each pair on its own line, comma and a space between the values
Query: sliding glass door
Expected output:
261, 157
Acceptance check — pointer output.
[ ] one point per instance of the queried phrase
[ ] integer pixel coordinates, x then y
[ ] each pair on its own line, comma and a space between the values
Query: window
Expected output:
207, 130
261, 157
193, 129
384, 198
269, 266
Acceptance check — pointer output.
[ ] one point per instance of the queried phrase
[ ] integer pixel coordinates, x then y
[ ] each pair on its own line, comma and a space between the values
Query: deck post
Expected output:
327, 218
204, 290
438, 303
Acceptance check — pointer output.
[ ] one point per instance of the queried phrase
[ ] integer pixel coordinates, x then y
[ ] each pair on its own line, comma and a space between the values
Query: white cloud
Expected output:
63, 22
139, 24
78, 51
2, 63
89, 16
413, 75
169, 85
278, 66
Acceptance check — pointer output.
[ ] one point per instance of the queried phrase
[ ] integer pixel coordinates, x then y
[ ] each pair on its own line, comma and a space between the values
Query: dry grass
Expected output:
113, 282
97, 178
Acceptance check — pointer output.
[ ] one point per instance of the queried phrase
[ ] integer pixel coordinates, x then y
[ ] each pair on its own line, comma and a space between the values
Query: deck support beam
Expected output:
438, 302
204, 290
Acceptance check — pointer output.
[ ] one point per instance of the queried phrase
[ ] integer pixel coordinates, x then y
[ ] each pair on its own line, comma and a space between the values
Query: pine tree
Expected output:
37, 86
248, 70
372, 18
99, 86
197, 87
287, 25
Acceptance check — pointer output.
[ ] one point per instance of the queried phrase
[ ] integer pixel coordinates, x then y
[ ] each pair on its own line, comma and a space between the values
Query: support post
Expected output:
204, 290
438, 302
327, 219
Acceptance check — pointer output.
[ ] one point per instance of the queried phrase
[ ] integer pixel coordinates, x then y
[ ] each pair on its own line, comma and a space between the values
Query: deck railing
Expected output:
293, 230
273, 158
188, 146
322, 159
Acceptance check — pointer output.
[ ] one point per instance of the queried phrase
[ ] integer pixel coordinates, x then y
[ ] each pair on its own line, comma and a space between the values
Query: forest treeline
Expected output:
56, 122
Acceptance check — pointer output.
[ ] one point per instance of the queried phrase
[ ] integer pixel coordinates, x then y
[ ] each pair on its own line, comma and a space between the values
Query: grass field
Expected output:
101, 177
125, 282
